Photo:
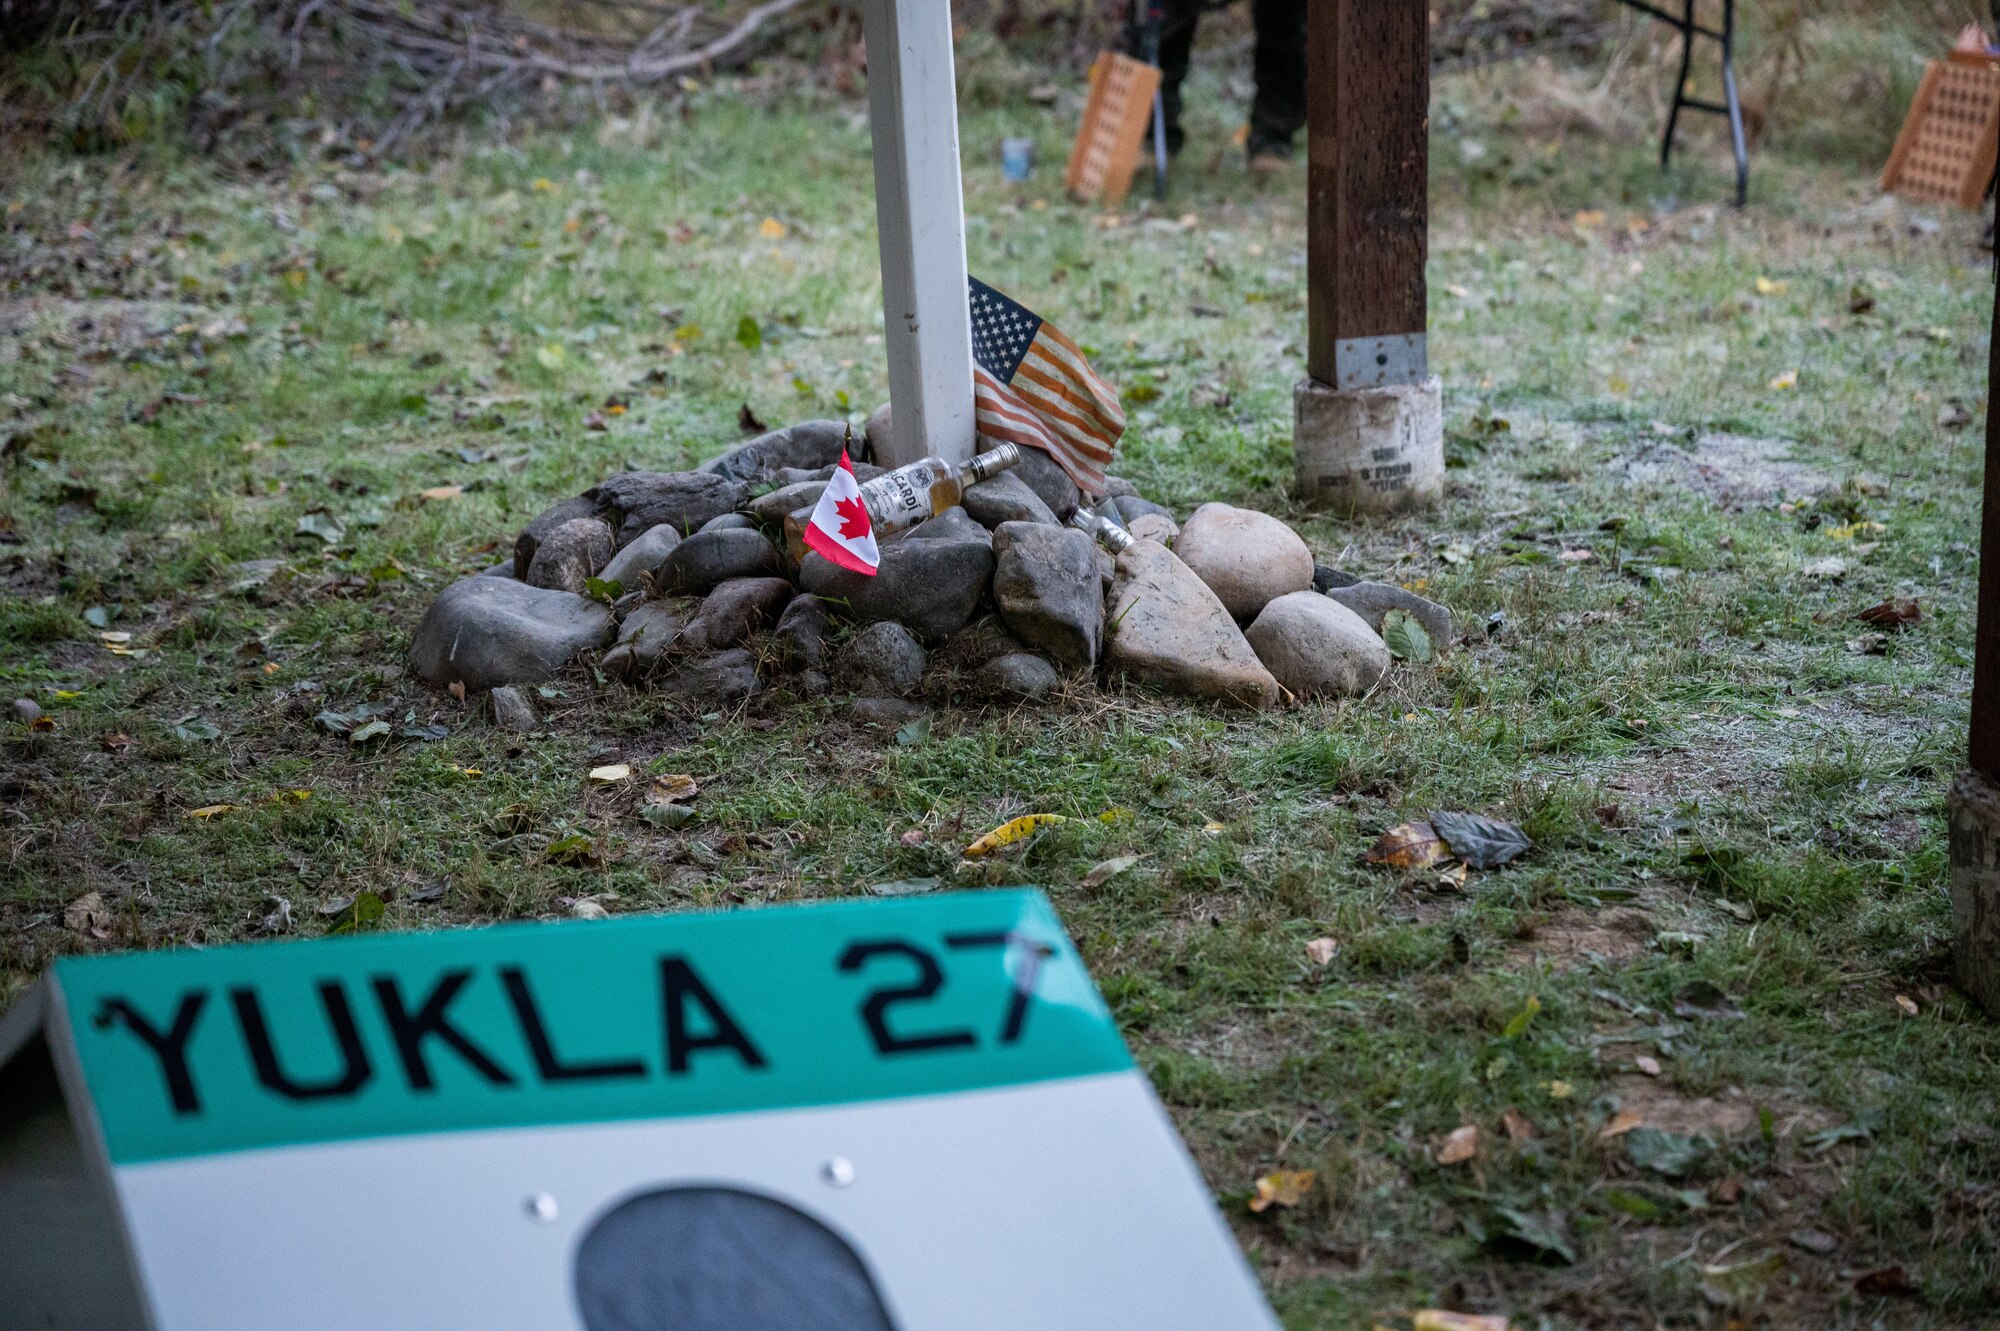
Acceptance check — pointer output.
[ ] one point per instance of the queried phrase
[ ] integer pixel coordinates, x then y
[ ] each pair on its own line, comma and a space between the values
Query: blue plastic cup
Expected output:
1017, 158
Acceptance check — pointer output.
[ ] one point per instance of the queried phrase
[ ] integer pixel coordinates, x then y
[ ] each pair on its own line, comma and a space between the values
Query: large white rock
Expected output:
1167, 628
1247, 558
1317, 647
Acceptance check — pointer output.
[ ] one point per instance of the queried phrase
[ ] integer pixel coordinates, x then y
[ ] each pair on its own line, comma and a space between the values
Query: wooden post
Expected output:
1367, 191
1369, 424
1974, 817
920, 214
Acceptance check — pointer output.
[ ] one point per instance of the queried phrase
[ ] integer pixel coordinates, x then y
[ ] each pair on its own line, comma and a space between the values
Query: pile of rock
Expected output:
677, 580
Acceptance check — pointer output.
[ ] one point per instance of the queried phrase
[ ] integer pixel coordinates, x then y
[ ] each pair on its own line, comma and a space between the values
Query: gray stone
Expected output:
892, 713
1373, 600
550, 518
503, 569
1117, 487
638, 501
1048, 480
1005, 498
512, 710
644, 555
1018, 675
735, 610
485, 632
1326, 577
802, 633
1047, 589
863, 472
1132, 508
1154, 527
808, 444
570, 554
879, 423
1317, 647
25, 711
726, 521
773, 507
954, 524
725, 677
707, 559
814, 683
883, 658
1167, 628
985, 640
1247, 558
931, 587
642, 639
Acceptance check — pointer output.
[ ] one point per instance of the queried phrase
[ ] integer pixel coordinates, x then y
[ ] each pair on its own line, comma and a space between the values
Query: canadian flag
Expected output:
840, 529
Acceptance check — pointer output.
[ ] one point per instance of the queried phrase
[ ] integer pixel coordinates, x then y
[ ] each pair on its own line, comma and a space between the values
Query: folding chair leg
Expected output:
1734, 103
1686, 28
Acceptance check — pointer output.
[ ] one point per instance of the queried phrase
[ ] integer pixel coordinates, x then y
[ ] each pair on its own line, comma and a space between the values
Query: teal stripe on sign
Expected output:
233, 1048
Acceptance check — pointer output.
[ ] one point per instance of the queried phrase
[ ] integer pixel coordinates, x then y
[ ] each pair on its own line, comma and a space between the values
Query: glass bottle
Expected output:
1103, 530
900, 499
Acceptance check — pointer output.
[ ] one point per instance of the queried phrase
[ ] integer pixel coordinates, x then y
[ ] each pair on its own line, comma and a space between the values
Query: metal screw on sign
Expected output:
838, 1171
542, 1207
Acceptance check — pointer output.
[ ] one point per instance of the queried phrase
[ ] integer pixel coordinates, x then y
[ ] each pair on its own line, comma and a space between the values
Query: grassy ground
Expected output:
1722, 793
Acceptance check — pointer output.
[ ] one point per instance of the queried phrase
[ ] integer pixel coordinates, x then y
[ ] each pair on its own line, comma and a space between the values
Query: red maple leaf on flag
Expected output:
853, 518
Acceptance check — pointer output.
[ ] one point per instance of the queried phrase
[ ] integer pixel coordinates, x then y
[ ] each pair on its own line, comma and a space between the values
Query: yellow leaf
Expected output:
1620, 385
1589, 219
771, 229
115, 638
64, 695
296, 276
467, 771
687, 332
1213, 828
1789, 379
543, 184
1621, 1123
1282, 1187
441, 492
551, 356
1114, 815
611, 773
208, 811
1518, 1026
1321, 950
1559, 1090
1766, 287
1408, 846
1459, 1146
1436, 1319
1020, 829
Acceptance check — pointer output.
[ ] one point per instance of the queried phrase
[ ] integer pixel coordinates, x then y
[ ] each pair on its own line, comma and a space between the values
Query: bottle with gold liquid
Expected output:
900, 499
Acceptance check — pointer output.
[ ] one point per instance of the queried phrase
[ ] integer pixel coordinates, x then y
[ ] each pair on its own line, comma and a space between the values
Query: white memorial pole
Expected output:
920, 213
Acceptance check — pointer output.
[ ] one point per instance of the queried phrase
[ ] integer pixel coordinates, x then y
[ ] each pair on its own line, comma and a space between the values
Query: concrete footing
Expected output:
1368, 449
1975, 888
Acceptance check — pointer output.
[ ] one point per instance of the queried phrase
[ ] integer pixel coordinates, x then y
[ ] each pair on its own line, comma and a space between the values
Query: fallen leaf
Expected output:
116, 742
611, 774
87, 914
771, 229
904, 887
749, 335
1767, 287
1622, 1122
1320, 951
278, 919
1888, 1282
1741, 1283
1483, 843
1516, 1125
369, 733
575, 850
1894, 613
1436, 1319
439, 493
1282, 1187
667, 816
456, 689
585, 908
1108, 870
1559, 1090
1869, 644
42, 725
1647, 1064
1540, 1236
676, 788
1666, 1153
364, 912
208, 811
1406, 638
1789, 379
1830, 569
1908, 1004
114, 638
1577, 556
321, 524
1408, 846
193, 729
1518, 1025
1460, 1145
1008, 833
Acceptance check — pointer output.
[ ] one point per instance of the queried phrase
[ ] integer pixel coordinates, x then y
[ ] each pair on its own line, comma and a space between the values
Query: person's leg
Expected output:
1176, 49
1279, 110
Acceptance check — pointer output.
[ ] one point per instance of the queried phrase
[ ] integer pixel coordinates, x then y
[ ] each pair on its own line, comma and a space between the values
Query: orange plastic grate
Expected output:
1107, 146
1945, 153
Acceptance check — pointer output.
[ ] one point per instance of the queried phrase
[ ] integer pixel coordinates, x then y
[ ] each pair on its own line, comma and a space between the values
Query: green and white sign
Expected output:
905, 1115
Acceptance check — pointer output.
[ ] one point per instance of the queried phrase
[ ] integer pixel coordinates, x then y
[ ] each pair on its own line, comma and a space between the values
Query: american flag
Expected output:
1032, 386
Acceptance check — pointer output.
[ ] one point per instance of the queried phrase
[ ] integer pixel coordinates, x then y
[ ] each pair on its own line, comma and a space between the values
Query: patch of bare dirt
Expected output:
1579, 938
1732, 469
1733, 1113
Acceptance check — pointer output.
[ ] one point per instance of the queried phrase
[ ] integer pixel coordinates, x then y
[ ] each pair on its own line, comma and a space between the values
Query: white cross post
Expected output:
920, 213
